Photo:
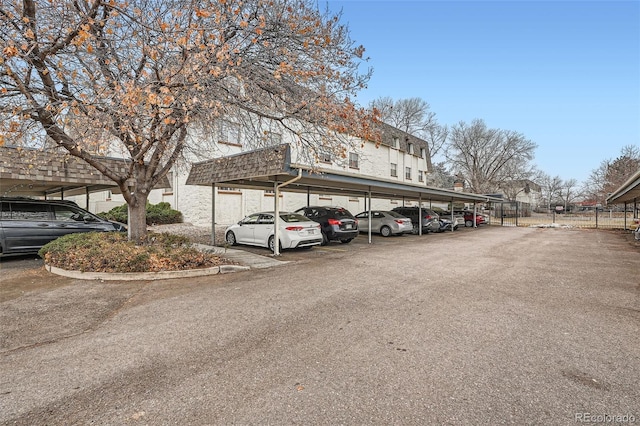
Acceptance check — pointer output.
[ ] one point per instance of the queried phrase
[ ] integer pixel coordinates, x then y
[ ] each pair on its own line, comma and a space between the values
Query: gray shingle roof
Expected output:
247, 165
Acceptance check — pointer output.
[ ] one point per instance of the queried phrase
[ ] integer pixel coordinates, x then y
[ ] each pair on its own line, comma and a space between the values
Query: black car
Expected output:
27, 224
430, 219
337, 223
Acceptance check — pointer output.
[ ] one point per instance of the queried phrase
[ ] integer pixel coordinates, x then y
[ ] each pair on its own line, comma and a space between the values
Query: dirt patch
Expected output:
197, 234
30, 280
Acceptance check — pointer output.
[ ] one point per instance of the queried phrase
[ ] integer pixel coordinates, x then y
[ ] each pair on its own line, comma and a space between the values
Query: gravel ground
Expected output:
488, 326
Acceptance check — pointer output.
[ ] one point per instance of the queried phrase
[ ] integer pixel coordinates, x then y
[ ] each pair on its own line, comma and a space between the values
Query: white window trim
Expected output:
354, 164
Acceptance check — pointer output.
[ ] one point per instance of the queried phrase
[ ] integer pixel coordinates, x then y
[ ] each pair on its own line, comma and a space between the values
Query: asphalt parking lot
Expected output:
487, 326
335, 248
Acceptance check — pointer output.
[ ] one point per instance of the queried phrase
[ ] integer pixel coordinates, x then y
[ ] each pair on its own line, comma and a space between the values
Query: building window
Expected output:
410, 148
423, 153
228, 190
324, 155
353, 160
395, 142
420, 176
407, 173
271, 193
272, 138
169, 190
394, 170
229, 133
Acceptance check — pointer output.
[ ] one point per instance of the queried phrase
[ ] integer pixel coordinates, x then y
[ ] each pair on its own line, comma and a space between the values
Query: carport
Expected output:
271, 169
629, 192
38, 173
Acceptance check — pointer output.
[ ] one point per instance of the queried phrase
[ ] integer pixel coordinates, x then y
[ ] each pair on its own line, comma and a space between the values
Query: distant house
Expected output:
522, 190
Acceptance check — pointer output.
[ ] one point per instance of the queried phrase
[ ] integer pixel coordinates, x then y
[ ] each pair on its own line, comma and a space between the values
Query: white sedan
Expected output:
257, 230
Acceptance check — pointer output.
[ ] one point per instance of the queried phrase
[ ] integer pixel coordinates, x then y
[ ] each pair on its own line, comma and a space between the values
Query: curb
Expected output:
144, 276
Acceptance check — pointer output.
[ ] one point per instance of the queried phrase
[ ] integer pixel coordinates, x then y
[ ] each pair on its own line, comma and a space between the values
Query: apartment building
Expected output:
399, 157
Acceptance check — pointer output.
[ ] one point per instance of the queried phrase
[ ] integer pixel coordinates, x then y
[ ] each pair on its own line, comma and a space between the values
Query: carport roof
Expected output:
629, 191
32, 172
261, 169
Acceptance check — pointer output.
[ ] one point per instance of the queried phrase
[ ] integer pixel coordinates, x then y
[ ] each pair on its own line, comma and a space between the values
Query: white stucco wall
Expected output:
195, 202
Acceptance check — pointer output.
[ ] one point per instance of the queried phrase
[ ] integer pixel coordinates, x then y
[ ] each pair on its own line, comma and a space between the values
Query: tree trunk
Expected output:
137, 217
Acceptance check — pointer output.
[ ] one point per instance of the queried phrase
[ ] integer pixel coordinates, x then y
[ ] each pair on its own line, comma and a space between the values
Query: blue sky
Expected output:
566, 74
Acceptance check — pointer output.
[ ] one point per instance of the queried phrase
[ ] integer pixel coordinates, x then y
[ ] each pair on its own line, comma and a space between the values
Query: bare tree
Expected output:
612, 173
513, 188
568, 192
440, 177
551, 187
135, 76
413, 116
486, 157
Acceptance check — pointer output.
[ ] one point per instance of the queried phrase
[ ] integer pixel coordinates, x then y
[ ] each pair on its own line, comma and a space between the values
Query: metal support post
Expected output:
369, 214
213, 214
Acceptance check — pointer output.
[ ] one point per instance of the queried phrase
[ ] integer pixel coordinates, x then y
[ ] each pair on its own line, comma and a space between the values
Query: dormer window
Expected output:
395, 142
410, 148
423, 153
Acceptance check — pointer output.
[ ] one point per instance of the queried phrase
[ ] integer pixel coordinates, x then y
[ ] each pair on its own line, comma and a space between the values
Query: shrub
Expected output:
157, 214
112, 252
162, 214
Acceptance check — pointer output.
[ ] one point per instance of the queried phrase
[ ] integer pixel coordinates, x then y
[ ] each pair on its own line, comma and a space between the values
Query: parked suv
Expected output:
337, 223
27, 224
430, 219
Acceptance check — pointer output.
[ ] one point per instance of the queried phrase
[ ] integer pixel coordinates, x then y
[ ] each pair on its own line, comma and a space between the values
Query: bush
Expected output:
118, 214
112, 252
162, 214
157, 214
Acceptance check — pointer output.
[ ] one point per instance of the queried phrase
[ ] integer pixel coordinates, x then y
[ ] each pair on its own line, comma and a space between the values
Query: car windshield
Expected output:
294, 217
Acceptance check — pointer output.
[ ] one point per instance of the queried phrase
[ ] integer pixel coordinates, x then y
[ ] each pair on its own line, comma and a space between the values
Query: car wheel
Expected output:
230, 238
347, 241
271, 245
385, 231
415, 230
325, 239
468, 223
